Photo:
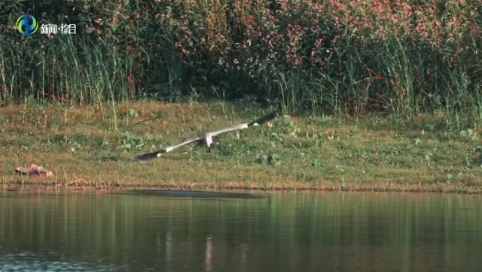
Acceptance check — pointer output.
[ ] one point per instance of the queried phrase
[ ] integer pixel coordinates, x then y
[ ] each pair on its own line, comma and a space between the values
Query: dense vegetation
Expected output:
336, 56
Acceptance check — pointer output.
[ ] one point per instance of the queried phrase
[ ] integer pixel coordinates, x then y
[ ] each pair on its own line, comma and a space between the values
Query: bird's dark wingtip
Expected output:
141, 160
147, 157
270, 116
266, 118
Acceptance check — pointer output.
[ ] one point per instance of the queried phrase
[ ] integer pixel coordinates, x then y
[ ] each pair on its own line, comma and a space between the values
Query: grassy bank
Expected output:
94, 146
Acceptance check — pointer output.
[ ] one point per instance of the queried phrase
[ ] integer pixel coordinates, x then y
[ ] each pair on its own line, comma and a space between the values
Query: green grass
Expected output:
94, 146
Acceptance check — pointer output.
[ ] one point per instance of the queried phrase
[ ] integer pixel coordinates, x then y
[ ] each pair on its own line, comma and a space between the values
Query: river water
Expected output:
203, 231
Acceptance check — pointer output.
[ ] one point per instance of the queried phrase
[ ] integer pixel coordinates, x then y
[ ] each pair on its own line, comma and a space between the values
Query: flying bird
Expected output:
205, 139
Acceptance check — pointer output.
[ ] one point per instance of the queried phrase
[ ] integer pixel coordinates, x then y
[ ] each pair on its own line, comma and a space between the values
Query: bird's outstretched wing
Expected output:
261, 120
231, 128
150, 156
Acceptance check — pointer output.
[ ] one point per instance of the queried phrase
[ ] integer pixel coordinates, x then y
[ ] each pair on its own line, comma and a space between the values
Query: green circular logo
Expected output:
27, 25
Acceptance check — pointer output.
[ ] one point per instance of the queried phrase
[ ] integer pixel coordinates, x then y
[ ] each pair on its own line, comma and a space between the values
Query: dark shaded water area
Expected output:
208, 231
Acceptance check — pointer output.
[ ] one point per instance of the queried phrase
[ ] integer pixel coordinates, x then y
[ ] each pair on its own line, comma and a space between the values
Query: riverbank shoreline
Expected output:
33, 187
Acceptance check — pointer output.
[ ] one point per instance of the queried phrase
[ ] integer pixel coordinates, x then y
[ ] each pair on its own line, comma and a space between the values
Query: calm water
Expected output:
208, 232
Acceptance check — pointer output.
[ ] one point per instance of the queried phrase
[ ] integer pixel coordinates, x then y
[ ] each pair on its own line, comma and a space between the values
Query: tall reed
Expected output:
341, 56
